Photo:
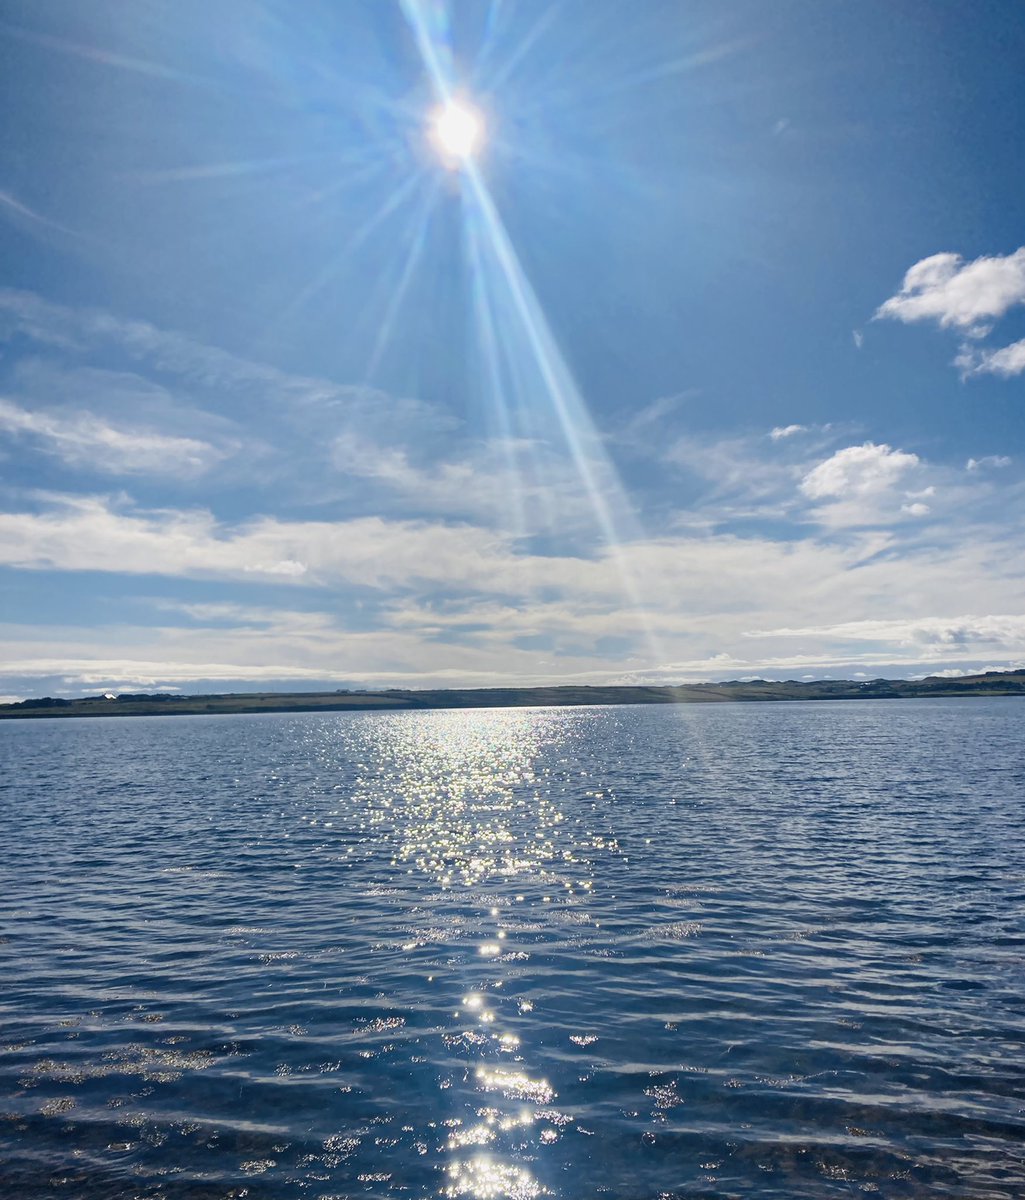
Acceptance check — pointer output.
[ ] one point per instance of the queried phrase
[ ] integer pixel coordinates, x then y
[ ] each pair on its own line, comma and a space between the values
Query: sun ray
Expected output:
492, 23
428, 20
612, 511
498, 77
398, 294
489, 346
559, 386
398, 197
505, 289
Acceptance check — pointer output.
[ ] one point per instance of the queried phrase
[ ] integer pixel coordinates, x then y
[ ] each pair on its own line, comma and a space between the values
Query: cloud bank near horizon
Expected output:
799, 551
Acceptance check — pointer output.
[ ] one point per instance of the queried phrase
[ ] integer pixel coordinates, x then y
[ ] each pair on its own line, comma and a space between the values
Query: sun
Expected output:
457, 131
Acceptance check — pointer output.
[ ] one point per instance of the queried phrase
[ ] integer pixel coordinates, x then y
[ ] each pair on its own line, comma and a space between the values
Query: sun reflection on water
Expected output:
516, 1084
485, 1179
466, 804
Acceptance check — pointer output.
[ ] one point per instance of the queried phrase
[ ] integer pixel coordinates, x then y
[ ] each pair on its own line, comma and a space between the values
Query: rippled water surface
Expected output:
739, 950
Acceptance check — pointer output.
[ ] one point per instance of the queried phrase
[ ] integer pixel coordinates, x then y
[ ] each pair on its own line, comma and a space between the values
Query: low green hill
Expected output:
132, 704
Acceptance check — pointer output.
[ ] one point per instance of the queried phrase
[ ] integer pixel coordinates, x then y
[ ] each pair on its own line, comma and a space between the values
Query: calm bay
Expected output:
743, 950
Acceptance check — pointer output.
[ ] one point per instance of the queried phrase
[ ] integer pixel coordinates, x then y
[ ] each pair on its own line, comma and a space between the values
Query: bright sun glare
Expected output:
457, 130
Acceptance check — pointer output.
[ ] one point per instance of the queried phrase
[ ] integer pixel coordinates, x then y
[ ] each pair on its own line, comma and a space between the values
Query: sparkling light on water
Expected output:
483, 1179
250, 947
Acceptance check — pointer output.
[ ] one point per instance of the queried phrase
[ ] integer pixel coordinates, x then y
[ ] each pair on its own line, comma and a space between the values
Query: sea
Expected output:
732, 950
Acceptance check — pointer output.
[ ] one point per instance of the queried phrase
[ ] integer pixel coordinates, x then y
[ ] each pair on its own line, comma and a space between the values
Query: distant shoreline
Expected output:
141, 704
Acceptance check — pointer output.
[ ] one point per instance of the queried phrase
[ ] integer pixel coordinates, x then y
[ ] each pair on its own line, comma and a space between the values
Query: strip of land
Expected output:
142, 704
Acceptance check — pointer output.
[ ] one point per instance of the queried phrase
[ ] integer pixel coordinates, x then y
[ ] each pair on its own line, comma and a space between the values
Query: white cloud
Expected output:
93, 534
56, 324
785, 431
435, 600
858, 471
84, 440
1005, 362
457, 605
988, 460
687, 575
979, 669
241, 615
123, 656
967, 296
858, 338
289, 567
24, 215
747, 479
202, 366
317, 441
996, 630
315, 648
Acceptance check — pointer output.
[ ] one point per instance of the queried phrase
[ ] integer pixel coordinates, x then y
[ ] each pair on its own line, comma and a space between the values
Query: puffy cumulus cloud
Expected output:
858, 471
1005, 362
84, 440
915, 509
967, 296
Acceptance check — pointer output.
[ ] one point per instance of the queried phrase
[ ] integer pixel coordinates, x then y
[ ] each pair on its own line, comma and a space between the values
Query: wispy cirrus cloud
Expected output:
988, 461
786, 431
747, 471
186, 357
318, 441
84, 440
23, 215
513, 483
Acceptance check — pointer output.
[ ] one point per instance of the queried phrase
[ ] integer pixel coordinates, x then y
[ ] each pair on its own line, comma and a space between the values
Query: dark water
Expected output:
751, 951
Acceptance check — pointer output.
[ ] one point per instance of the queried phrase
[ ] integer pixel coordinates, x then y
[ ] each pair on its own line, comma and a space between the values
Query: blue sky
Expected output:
709, 364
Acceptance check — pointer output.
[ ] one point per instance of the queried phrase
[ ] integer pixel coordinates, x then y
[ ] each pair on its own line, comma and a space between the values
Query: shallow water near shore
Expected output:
739, 950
